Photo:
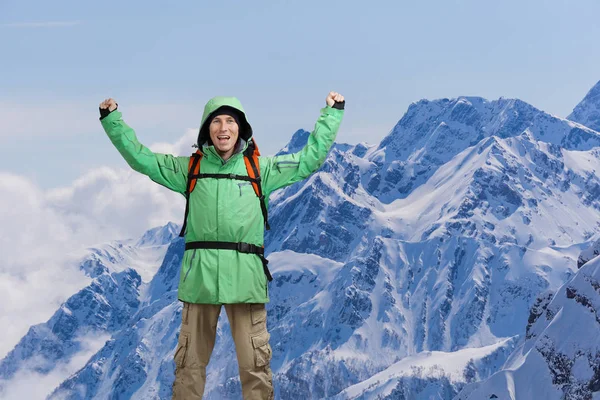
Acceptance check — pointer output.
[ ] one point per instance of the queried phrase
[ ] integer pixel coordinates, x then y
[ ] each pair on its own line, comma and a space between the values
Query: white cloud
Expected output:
182, 147
43, 233
109, 203
28, 384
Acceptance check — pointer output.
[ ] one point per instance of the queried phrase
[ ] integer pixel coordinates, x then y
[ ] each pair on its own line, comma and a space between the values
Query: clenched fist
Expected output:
334, 97
109, 104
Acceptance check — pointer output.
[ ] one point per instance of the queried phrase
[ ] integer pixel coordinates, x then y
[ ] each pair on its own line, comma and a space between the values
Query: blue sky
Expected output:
163, 62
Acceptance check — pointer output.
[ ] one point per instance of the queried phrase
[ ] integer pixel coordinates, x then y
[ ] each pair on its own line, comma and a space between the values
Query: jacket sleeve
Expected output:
281, 171
164, 169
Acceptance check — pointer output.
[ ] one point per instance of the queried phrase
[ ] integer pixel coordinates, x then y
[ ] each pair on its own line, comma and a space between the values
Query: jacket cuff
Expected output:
339, 105
104, 112
332, 111
114, 115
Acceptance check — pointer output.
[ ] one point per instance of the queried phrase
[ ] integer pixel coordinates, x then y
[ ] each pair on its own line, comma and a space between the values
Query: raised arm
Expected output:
164, 169
286, 169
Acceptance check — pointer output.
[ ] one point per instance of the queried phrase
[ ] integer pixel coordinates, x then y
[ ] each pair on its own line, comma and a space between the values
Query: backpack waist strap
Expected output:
240, 247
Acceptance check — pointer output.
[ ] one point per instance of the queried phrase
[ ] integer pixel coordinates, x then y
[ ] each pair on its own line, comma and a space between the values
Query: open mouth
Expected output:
223, 138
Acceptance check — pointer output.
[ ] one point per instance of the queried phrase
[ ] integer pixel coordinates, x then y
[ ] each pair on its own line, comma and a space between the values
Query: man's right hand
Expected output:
111, 104
107, 106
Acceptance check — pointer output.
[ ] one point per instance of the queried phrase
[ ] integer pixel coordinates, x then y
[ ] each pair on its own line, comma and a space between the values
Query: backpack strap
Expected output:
251, 160
252, 166
193, 170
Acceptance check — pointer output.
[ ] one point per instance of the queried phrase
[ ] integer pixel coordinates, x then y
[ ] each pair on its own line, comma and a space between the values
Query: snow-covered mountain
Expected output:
431, 374
407, 269
298, 140
560, 356
588, 111
433, 132
91, 316
138, 358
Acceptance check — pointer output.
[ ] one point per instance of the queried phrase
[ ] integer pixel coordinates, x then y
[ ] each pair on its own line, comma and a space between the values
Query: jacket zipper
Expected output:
190, 267
287, 164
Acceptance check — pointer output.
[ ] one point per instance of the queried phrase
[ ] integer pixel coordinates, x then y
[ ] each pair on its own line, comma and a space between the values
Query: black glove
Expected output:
339, 104
104, 112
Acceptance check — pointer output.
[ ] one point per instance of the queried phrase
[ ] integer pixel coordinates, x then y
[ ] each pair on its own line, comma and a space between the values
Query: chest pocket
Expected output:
245, 189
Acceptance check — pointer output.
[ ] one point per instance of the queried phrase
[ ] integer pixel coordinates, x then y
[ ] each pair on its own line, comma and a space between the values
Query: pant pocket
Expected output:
181, 352
258, 313
262, 349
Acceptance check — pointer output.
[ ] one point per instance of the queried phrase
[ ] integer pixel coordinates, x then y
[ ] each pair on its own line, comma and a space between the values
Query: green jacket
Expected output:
224, 209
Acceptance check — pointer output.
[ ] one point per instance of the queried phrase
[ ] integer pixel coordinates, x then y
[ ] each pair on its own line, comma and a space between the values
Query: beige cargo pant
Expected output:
197, 339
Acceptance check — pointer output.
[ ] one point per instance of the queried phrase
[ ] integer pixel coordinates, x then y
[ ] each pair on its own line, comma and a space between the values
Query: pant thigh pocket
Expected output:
262, 349
181, 352
258, 313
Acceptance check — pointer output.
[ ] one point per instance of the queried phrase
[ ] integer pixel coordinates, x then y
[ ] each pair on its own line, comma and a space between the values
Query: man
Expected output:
226, 211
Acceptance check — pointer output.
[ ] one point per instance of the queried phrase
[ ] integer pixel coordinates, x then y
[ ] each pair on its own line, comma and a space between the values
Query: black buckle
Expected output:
232, 176
244, 247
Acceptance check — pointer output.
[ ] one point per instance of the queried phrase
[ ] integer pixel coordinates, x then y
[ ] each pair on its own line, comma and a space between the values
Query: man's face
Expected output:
224, 133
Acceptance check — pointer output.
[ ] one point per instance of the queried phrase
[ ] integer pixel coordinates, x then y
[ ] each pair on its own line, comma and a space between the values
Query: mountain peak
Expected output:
159, 236
298, 140
462, 121
587, 112
431, 133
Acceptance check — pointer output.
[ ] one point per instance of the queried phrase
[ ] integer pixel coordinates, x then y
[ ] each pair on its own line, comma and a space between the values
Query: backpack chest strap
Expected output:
251, 155
226, 176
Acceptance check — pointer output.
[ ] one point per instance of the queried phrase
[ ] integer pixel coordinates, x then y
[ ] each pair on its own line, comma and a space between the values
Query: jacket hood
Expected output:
212, 108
